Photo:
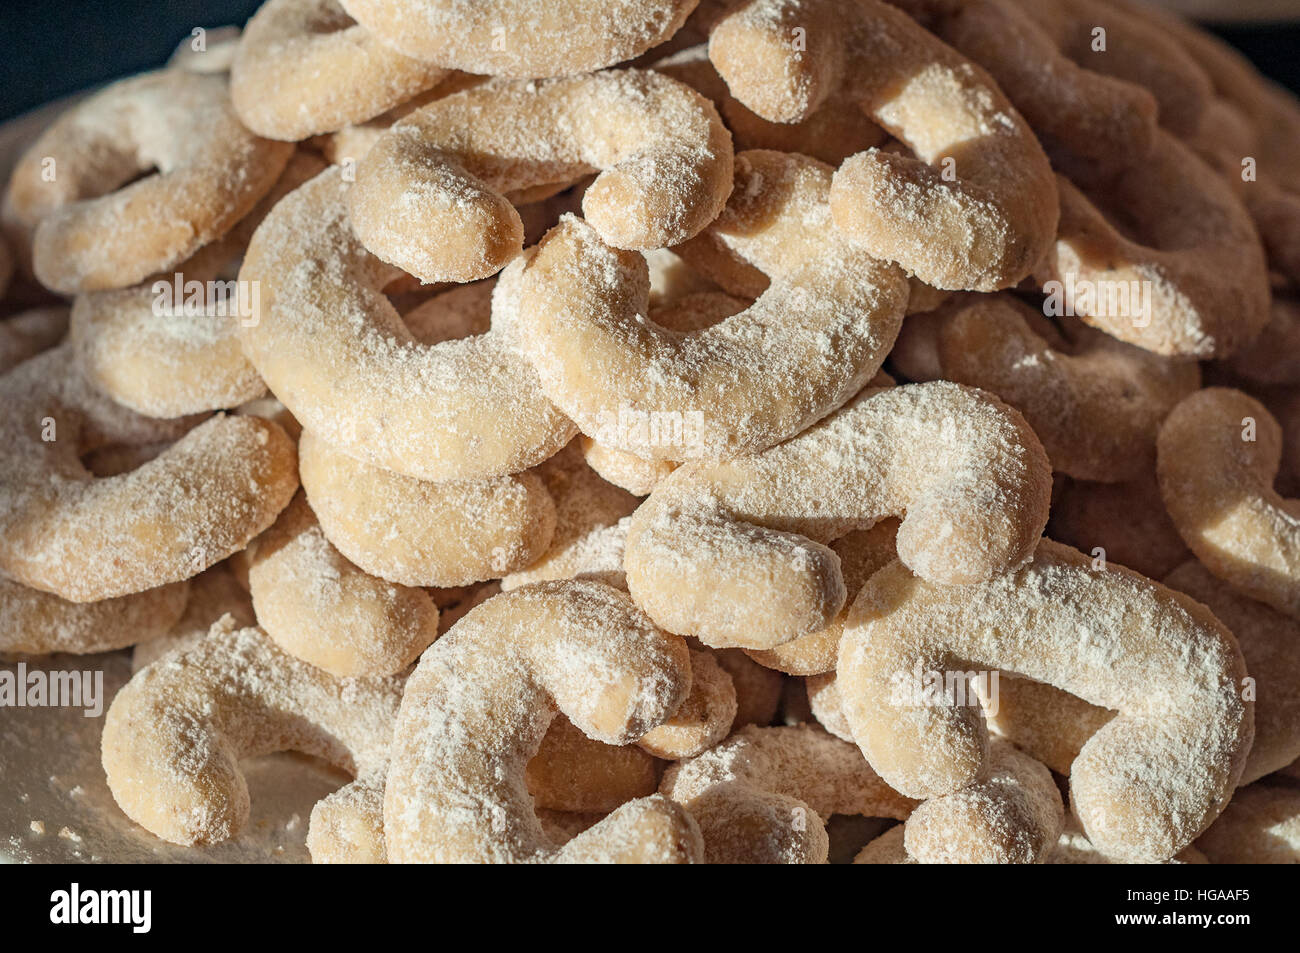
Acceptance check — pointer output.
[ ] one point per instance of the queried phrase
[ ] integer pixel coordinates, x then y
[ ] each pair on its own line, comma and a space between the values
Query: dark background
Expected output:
49, 48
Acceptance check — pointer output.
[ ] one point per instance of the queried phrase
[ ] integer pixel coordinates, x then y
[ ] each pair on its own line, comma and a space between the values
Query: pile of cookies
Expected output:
657, 430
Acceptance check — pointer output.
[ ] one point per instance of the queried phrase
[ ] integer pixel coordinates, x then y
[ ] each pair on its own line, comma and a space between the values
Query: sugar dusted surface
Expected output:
1148, 782
521, 38
88, 539
51, 761
480, 701
173, 736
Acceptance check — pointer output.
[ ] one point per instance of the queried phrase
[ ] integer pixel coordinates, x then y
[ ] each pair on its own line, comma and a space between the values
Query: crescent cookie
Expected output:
429, 196
478, 706
978, 177
332, 347
522, 38
210, 173
811, 340
66, 532
964, 471
1149, 781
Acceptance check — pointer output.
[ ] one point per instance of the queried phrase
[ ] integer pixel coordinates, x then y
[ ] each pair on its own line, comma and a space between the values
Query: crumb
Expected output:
38, 827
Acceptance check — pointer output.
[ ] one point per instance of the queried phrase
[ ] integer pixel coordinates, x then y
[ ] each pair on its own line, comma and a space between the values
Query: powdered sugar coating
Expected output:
703, 719
429, 195
1197, 258
86, 539
91, 233
1142, 54
333, 349
351, 143
320, 607
680, 300
347, 827
37, 623
1074, 848
1270, 643
964, 471
1043, 721
764, 795
1219, 452
1012, 816
1086, 121
1143, 786
522, 38
304, 67
174, 735
995, 207
824, 704
861, 553
833, 132
478, 704
420, 533
174, 349
1095, 402
1054, 725
813, 338
1175, 223
636, 475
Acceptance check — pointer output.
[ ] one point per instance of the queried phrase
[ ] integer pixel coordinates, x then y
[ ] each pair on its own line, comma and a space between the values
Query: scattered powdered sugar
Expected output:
174, 734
